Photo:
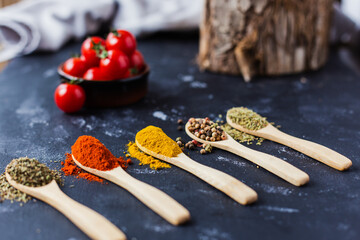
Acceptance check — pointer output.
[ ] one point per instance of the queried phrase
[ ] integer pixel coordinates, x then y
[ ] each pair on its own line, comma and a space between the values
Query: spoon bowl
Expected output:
273, 164
90, 222
158, 201
229, 185
311, 149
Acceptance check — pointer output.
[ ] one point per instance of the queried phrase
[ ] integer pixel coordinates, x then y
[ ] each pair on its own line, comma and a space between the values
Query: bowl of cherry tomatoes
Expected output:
111, 73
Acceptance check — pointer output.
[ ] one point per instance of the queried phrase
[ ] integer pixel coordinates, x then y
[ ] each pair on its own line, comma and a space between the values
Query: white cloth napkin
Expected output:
48, 24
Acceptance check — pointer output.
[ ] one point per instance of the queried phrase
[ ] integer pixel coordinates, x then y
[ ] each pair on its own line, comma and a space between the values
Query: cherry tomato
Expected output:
127, 74
115, 64
75, 66
69, 97
90, 48
96, 74
137, 61
121, 40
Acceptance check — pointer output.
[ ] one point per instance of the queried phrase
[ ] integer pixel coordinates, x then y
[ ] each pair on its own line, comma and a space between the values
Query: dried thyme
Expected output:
241, 136
247, 118
8, 192
30, 172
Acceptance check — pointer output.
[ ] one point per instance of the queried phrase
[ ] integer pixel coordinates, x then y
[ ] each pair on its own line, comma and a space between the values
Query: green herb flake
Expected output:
247, 118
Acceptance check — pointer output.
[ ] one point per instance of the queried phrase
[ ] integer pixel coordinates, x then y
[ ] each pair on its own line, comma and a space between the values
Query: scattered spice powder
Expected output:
90, 152
145, 159
154, 139
70, 168
247, 118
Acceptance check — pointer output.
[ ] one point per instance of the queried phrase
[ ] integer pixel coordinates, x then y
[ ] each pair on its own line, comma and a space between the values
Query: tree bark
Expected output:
264, 37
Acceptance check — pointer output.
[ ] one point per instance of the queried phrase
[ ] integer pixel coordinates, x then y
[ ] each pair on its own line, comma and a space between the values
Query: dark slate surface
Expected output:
324, 110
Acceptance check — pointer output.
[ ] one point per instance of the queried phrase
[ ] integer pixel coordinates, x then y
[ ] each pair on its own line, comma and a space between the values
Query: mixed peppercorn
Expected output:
206, 129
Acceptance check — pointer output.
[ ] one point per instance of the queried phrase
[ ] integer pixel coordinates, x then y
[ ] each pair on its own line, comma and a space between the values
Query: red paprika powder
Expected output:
90, 152
70, 168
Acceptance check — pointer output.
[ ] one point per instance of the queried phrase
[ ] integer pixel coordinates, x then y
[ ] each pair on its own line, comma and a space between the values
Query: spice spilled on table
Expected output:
145, 159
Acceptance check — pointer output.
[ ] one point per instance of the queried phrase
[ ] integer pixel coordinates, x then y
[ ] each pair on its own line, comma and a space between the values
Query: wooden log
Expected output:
264, 37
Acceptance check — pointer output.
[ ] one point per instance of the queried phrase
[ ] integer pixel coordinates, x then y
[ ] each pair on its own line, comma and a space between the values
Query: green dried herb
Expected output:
8, 192
247, 118
30, 172
241, 136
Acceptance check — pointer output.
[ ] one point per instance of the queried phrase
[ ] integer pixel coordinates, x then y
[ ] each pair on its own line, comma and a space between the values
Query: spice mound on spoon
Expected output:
207, 132
153, 141
92, 156
37, 180
247, 121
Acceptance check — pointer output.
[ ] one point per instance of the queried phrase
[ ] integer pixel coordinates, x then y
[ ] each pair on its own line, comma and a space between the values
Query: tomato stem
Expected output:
99, 49
115, 32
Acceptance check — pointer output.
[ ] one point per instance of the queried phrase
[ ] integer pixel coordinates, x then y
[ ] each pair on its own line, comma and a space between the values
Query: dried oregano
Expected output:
241, 136
8, 192
247, 118
30, 172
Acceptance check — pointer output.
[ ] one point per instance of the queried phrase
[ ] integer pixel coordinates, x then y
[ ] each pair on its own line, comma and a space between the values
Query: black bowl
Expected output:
113, 93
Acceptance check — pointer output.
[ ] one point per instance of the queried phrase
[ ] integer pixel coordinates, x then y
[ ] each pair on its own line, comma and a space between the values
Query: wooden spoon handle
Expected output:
158, 201
222, 181
273, 164
314, 150
90, 222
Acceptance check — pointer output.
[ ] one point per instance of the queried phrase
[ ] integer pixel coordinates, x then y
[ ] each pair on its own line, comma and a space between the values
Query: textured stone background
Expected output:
324, 109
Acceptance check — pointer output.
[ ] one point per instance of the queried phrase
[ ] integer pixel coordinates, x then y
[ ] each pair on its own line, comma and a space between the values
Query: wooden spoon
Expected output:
273, 164
222, 181
158, 201
90, 222
314, 150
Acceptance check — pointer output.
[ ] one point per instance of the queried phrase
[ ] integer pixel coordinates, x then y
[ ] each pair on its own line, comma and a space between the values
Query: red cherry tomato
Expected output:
137, 61
89, 50
69, 97
127, 74
75, 67
121, 40
96, 74
115, 64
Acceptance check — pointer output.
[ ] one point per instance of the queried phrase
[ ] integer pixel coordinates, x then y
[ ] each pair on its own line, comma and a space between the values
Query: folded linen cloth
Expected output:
48, 24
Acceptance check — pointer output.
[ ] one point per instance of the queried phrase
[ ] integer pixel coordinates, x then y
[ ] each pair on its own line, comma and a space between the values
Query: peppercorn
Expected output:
202, 151
178, 139
180, 121
179, 143
208, 148
191, 146
179, 128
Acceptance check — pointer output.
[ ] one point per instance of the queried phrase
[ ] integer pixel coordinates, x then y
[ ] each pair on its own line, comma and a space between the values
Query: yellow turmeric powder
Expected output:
154, 139
145, 159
